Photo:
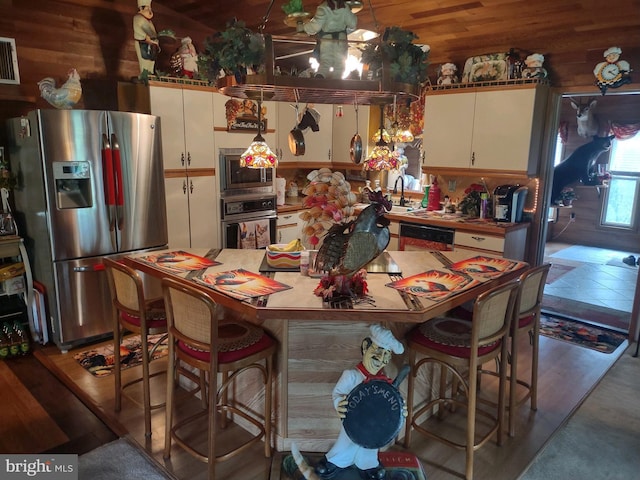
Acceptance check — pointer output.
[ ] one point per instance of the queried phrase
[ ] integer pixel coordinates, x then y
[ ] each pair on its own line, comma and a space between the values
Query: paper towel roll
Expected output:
281, 186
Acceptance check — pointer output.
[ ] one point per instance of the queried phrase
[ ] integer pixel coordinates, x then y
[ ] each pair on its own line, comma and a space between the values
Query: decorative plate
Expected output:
485, 68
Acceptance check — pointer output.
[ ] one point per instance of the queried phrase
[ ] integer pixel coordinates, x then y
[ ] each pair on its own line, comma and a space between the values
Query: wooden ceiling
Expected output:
571, 34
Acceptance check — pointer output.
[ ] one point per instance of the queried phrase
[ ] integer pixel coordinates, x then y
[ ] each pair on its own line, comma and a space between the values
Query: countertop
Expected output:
300, 303
422, 217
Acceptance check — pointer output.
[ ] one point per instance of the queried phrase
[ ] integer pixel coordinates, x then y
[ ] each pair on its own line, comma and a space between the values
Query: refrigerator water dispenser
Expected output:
73, 184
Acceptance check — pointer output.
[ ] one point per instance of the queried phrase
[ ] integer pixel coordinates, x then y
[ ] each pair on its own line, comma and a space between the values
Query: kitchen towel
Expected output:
254, 234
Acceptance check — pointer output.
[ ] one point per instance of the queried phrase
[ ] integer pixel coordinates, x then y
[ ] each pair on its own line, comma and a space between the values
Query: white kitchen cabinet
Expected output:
495, 130
187, 126
512, 245
289, 227
394, 230
188, 147
317, 144
344, 128
190, 216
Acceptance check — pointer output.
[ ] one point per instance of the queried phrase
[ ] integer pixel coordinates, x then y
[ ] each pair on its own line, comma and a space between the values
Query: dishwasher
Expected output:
414, 236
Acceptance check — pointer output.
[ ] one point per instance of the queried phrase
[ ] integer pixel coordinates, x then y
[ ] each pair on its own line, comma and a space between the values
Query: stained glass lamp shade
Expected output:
381, 156
258, 155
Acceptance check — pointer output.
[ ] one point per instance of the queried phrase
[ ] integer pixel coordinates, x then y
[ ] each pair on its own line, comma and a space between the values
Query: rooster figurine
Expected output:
348, 247
64, 97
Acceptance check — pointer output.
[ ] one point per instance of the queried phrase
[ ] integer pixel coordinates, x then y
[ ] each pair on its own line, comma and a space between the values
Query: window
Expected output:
623, 194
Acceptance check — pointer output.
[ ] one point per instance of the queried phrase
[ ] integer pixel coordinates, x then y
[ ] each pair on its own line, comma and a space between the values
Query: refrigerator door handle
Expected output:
119, 184
91, 268
110, 192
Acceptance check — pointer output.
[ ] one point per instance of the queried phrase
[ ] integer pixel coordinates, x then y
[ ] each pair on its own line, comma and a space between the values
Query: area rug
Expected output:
600, 440
99, 361
118, 460
556, 271
586, 312
595, 338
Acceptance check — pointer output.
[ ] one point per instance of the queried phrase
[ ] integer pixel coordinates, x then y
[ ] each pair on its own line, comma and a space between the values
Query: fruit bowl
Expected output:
278, 257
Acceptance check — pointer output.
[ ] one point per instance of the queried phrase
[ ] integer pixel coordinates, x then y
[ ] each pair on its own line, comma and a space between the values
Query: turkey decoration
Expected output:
64, 97
328, 201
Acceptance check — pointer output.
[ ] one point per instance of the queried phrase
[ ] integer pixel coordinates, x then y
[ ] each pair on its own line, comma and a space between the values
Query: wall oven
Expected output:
246, 217
414, 236
236, 180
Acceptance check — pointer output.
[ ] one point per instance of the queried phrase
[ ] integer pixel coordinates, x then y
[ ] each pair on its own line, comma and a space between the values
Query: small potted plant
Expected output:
235, 51
567, 196
407, 61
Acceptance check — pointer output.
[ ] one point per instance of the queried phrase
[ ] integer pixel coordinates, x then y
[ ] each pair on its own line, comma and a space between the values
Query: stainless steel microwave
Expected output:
236, 180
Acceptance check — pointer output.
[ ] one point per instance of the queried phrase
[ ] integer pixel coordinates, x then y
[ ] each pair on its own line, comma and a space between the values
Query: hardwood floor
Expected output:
567, 374
39, 414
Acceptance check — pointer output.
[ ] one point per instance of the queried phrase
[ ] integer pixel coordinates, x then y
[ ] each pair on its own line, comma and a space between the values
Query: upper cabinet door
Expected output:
198, 128
503, 128
187, 126
448, 130
493, 130
166, 103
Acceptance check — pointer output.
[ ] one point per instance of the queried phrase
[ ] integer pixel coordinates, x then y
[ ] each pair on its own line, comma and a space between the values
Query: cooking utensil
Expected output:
296, 138
355, 149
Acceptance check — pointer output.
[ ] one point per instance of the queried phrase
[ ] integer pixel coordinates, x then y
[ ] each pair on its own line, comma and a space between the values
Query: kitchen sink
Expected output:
401, 210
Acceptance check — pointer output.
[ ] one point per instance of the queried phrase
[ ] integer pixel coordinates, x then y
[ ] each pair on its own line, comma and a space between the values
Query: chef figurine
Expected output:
332, 20
146, 38
612, 73
376, 354
447, 74
534, 66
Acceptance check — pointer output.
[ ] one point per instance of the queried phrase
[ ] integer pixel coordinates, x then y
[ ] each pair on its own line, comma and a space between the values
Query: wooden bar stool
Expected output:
133, 313
198, 339
527, 320
461, 347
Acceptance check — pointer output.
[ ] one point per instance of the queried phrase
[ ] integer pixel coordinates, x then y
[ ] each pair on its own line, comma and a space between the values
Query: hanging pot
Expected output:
355, 149
296, 138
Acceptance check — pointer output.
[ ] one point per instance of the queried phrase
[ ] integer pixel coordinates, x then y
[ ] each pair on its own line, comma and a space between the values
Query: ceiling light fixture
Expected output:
381, 157
259, 155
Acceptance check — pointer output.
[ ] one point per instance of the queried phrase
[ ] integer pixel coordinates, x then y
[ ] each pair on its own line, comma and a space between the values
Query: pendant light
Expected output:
399, 135
381, 157
259, 155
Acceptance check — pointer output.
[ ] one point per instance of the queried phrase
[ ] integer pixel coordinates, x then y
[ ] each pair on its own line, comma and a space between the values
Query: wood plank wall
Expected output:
93, 36
585, 230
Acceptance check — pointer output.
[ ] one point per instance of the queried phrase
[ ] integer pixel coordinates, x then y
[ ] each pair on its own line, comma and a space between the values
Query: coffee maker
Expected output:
508, 203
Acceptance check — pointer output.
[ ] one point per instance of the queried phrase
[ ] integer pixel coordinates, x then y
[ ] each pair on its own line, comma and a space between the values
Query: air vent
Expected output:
8, 61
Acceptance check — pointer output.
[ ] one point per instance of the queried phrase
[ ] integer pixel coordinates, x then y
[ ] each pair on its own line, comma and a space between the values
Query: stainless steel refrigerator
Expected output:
90, 186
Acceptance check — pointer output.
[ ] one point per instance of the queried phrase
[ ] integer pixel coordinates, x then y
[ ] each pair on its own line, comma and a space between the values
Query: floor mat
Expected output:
595, 338
588, 313
99, 361
582, 253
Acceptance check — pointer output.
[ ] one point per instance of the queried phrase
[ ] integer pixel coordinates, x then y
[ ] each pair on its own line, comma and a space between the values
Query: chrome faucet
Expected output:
403, 202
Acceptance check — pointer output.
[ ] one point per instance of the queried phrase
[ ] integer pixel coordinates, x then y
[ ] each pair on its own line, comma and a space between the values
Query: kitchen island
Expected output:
317, 342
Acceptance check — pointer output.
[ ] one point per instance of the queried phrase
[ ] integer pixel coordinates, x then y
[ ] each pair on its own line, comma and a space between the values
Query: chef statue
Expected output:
331, 22
146, 38
376, 354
